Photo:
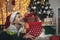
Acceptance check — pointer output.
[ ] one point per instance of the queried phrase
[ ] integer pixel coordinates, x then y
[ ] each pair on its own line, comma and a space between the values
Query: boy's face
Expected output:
31, 19
18, 19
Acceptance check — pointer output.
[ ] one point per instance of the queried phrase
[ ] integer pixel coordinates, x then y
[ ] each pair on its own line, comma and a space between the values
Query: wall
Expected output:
55, 4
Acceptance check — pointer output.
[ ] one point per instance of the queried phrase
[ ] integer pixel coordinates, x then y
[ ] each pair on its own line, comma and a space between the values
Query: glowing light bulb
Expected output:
38, 2
39, 12
7, 0
13, 8
44, 11
34, 7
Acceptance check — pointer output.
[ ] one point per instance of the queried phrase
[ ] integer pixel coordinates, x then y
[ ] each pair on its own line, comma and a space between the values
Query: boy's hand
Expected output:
29, 36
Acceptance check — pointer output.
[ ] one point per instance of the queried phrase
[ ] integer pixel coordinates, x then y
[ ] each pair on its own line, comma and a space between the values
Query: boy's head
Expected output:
31, 18
14, 18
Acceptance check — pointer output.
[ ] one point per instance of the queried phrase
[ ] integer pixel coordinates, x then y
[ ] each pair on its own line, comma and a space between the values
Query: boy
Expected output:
15, 30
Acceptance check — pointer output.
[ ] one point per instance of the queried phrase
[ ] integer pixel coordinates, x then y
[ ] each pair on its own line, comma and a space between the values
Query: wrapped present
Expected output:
55, 37
35, 28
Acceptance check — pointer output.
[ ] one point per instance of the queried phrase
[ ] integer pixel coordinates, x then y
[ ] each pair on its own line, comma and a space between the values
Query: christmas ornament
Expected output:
39, 12
48, 12
44, 11
46, 7
50, 8
34, 7
38, 2
42, 6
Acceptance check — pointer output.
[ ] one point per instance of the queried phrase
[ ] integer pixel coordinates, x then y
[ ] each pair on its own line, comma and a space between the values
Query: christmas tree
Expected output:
41, 8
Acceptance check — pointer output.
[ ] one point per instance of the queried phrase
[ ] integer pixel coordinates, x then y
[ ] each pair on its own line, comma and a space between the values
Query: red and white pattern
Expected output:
35, 28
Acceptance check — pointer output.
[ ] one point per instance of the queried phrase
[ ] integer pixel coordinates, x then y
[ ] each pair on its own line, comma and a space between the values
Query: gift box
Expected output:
55, 37
35, 28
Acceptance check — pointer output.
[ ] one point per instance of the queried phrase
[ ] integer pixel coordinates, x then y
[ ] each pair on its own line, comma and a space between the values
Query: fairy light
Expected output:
7, 0
14, 9
9, 13
16, 5
1, 12
20, 5
24, 6
4, 12
0, 19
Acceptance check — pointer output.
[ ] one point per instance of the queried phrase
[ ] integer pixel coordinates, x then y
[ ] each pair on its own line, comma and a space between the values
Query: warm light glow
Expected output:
8, 13
7, 0
3, 13
20, 5
24, 6
14, 9
15, 0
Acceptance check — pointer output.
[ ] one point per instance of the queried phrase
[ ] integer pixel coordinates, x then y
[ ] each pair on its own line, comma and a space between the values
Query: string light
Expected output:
39, 12
3, 12
14, 9
48, 12
44, 11
9, 13
20, 5
24, 6
46, 7
34, 7
38, 2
